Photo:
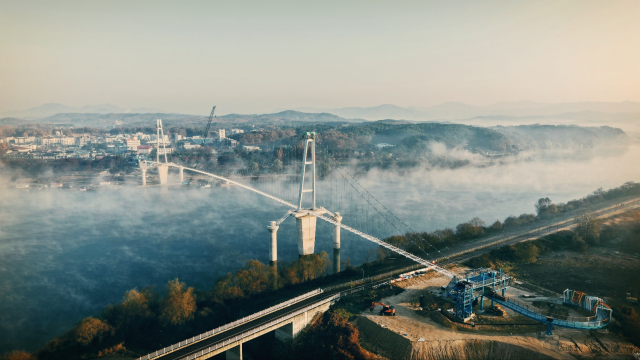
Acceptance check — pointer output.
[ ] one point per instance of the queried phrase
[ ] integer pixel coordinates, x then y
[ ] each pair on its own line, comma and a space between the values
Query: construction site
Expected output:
435, 317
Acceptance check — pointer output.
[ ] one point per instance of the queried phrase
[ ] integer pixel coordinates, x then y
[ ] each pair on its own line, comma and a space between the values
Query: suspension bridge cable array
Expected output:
374, 239
389, 211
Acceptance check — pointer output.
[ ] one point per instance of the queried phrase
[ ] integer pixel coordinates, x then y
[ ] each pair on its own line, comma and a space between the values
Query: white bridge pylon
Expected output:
305, 217
332, 219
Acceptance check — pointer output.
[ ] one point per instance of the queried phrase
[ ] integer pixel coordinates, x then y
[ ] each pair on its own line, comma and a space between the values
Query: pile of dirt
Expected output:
382, 341
472, 350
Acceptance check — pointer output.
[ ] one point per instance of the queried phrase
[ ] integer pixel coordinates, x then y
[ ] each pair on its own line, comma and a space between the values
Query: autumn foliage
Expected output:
145, 320
179, 305
19, 355
331, 336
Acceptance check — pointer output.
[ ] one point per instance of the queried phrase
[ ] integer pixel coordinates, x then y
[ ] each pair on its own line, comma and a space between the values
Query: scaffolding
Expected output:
473, 287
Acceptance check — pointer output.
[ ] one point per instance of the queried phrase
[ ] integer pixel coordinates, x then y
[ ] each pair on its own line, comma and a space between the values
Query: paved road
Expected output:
481, 246
203, 344
469, 250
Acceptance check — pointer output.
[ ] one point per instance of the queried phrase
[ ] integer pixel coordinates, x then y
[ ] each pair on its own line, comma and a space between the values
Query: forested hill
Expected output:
284, 118
420, 136
534, 137
411, 136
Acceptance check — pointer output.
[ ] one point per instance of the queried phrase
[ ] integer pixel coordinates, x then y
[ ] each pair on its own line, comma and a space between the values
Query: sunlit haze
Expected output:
257, 56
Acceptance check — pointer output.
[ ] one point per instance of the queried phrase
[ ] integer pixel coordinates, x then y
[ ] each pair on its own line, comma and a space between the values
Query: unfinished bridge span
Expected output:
463, 289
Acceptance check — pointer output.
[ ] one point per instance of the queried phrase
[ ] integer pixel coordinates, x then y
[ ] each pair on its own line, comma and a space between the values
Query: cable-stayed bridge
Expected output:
301, 197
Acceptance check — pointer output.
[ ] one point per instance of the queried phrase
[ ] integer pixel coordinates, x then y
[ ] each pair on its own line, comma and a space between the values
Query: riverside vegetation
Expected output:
566, 259
411, 145
146, 320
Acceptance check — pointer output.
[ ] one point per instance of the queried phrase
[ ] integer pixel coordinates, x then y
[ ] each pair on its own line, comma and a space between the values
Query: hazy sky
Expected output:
256, 56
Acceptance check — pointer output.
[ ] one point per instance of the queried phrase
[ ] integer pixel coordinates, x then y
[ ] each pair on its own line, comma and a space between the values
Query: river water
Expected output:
64, 255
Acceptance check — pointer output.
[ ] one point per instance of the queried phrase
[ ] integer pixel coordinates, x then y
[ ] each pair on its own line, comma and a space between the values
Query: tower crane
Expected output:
206, 130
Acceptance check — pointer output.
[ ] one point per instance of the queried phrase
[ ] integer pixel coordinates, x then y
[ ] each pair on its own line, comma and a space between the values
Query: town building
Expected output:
132, 144
144, 149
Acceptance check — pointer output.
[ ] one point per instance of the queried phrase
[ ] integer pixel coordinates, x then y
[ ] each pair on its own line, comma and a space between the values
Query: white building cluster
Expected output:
218, 139
57, 145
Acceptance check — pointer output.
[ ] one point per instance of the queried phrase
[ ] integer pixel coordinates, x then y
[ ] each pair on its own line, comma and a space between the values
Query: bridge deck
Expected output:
220, 337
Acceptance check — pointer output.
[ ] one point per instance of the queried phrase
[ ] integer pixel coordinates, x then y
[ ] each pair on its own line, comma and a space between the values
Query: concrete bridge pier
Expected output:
143, 168
273, 252
234, 353
163, 173
295, 327
181, 174
144, 177
306, 226
273, 248
336, 244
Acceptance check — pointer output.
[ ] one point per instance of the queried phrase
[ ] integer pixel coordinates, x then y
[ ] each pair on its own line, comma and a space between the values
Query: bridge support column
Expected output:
234, 353
273, 248
285, 333
181, 174
336, 244
273, 252
294, 328
144, 177
163, 172
493, 287
306, 225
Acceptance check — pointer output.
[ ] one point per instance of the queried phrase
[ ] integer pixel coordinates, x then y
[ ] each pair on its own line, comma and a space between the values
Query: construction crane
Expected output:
206, 130
204, 139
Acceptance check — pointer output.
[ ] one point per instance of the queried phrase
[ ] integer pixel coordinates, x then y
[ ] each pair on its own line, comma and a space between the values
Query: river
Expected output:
64, 254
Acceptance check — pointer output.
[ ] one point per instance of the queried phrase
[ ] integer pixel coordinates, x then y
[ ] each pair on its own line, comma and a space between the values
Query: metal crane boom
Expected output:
206, 130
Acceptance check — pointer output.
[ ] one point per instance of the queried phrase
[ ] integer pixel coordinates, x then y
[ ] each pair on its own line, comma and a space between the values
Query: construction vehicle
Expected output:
387, 310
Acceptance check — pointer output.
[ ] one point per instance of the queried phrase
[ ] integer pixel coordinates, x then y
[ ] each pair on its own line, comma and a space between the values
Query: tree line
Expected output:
425, 242
589, 232
146, 320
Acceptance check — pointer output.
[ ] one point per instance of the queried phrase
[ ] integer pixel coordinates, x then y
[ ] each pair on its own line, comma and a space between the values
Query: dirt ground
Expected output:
603, 272
422, 331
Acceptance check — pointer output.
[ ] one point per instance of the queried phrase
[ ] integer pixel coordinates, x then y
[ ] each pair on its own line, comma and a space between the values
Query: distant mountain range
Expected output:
51, 109
456, 110
620, 114
108, 120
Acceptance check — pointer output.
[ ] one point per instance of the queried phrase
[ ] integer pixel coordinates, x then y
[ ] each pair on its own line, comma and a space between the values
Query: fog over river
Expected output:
64, 255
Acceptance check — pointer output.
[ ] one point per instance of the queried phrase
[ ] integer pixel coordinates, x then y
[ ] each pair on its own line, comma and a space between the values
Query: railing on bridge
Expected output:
267, 325
228, 326
330, 220
384, 244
